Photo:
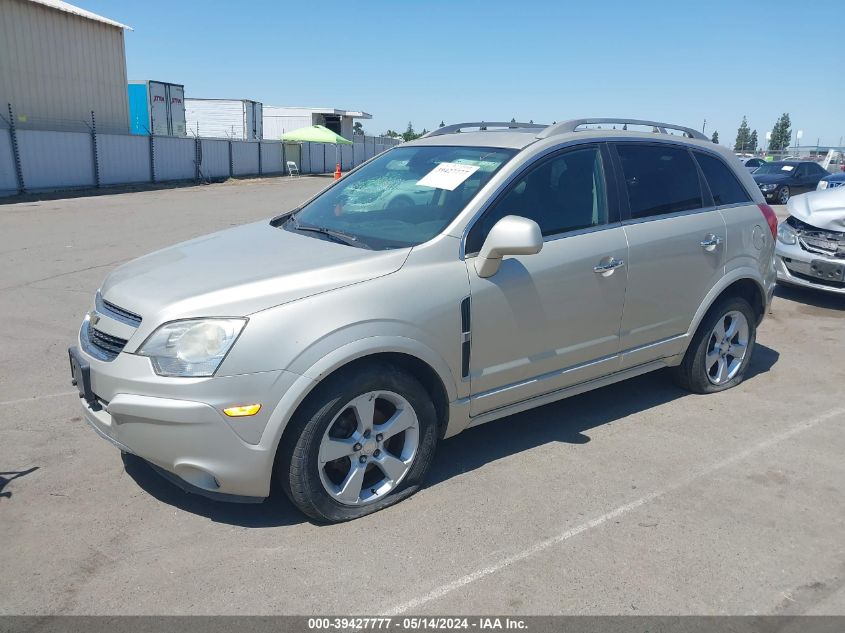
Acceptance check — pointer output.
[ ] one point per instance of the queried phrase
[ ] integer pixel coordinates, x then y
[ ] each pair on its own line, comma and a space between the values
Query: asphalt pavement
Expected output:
634, 499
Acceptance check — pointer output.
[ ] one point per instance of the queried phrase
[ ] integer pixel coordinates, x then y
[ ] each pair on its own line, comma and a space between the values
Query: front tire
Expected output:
720, 351
783, 195
363, 440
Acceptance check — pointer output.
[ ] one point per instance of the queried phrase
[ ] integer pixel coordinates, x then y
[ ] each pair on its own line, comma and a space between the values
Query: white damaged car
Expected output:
810, 249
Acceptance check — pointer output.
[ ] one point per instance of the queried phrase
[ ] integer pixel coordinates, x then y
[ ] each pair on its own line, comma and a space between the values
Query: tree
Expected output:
753, 143
513, 119
358, 129
715, 137
781, 133
442, 124
409, 134
743, 137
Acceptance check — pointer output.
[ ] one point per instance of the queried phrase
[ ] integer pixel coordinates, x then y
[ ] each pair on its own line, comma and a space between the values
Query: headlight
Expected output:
822, 184
191, 348
768, 187
786, 234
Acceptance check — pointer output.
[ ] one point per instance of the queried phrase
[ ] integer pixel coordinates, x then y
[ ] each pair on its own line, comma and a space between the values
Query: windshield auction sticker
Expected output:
447, 176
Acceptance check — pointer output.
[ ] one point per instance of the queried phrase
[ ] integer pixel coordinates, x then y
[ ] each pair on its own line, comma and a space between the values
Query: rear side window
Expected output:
723, 184
659, 179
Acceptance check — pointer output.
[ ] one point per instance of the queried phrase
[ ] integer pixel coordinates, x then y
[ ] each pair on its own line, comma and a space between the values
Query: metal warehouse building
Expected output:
278, 120
58, 62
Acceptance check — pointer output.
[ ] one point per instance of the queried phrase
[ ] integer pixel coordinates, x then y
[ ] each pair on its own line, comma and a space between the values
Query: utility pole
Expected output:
703, 125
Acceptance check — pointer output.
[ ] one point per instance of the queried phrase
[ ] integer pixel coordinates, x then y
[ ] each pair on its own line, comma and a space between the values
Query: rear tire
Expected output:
344, 438
720, 351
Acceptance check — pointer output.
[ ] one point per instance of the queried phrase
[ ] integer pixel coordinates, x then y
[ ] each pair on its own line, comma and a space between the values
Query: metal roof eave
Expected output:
66, 7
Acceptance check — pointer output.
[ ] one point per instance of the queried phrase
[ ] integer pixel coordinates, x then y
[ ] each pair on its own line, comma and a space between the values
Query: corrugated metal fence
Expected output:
38, 160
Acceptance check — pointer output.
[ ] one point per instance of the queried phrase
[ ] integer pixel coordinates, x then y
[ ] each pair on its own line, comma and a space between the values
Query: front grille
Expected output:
835, 183
819, 241
99, 344
117, 313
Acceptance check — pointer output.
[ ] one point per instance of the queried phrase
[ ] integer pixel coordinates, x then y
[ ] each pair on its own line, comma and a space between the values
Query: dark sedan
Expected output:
778, 181
831, 181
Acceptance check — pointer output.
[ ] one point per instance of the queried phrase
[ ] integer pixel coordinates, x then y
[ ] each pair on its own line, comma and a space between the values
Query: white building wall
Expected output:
276, 125
56, 67
221, 118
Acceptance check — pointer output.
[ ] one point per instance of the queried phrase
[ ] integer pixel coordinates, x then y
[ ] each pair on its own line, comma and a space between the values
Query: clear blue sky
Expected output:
680, 61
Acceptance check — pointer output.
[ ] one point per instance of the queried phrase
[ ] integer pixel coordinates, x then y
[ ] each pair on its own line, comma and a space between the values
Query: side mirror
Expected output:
512, 235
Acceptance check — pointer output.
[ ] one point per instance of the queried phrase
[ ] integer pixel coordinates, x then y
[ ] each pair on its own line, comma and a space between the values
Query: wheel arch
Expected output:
742, 283
409, 355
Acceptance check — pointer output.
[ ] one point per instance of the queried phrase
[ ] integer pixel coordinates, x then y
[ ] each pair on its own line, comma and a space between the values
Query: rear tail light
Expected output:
771, 218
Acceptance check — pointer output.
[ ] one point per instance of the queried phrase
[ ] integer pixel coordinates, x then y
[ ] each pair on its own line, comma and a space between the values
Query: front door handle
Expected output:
606, 268
710, 242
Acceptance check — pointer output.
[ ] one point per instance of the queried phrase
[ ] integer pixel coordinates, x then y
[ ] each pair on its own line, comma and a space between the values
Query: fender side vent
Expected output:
466, 337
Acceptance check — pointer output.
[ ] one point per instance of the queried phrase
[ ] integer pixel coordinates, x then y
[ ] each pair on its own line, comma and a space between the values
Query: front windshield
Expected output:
402, 198
774, 168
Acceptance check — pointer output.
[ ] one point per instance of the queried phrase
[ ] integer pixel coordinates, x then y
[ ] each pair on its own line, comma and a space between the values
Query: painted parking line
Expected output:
463, 581
36, 398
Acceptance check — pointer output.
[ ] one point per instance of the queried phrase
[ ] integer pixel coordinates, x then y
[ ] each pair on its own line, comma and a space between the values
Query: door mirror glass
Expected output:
512, 235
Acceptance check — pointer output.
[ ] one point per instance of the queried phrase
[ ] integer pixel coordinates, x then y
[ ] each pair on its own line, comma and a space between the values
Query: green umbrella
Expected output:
317, 134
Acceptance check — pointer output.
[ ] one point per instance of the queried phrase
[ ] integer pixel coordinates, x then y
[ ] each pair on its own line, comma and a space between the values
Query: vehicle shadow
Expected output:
564, 421
276, 511
815, 298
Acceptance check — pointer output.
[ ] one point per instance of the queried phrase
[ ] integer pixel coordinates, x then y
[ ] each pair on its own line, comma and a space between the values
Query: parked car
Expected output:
780, 180
810, 248
832, 181
331, 348
751, 164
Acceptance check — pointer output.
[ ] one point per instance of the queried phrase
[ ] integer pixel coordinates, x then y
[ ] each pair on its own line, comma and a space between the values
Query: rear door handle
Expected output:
710, 242
609, 266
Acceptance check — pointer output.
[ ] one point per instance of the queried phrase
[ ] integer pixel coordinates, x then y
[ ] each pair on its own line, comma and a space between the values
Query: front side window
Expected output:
659, 179
563, 193
723, 184
402, 198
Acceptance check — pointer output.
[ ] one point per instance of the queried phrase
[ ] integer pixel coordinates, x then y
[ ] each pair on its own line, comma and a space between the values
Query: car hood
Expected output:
823, 209
239, 271
835, 177
765, 179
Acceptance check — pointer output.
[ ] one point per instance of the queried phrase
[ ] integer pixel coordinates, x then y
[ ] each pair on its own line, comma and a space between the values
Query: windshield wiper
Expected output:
338, 236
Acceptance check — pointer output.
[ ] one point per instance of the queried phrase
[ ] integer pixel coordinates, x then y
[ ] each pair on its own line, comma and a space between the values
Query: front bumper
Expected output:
177, 424
792, 264
771, 196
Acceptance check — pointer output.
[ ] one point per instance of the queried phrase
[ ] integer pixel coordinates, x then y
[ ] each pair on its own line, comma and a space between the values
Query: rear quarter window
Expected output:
659, 179
724, 186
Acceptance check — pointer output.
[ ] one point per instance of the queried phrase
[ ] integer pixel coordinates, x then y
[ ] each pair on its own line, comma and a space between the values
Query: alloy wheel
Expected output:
727, 348
368, 448
783, 195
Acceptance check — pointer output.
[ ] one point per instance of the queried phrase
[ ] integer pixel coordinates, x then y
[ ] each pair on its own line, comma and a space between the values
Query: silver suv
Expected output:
498, 269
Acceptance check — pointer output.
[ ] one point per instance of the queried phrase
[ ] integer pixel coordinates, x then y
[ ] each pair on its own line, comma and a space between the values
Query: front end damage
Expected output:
811, 242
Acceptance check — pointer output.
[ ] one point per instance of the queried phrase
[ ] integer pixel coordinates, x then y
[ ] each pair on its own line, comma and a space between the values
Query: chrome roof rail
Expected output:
571, 126
483, 125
